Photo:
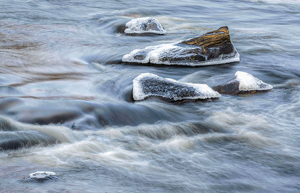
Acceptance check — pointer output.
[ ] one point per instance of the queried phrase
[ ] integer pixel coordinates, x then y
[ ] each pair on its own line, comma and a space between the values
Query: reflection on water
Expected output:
66, 106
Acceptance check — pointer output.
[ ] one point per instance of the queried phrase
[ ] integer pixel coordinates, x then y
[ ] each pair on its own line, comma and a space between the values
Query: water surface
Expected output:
65, 99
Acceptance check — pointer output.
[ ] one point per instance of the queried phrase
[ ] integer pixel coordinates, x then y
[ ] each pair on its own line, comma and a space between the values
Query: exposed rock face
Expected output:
144, 26
214, 43
243, 83
147, 84
211, 39
231, 88
209, 49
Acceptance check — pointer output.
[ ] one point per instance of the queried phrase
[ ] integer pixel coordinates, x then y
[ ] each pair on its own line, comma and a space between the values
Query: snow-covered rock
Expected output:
209, 49
41, 176
243, 83
147, 84
145, 25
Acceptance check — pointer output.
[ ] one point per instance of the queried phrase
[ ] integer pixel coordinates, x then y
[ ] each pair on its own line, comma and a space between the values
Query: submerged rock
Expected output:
209, 49
243, 83
147, 84
144, 26
23, 139
41, 176
9, 91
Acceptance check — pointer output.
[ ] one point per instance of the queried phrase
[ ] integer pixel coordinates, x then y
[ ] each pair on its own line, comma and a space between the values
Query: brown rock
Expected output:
214, 43
211, 39
232, 88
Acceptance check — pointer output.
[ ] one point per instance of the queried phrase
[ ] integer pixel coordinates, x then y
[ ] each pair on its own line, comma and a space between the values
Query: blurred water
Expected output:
65, 99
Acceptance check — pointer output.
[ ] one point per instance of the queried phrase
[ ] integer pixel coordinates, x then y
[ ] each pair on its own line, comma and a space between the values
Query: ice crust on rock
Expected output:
42, 175
144, 25
211, 48
249, 83
148, 84
243, 83
175, 54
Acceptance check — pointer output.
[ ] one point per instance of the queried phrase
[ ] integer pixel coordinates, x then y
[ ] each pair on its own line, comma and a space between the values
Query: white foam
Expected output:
135, 26
154, 54
181, 143
41, 174
203, 91
249, 83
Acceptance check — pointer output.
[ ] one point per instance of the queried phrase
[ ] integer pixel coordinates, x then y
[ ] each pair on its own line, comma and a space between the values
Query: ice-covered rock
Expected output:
40, 176
145, 25
209, 49
243, 83
147, 84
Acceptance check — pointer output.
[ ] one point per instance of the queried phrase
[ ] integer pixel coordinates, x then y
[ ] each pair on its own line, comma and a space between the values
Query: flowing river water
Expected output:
65, 96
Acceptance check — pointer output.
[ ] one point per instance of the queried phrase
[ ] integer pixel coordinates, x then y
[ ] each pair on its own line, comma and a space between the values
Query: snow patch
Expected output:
249, 83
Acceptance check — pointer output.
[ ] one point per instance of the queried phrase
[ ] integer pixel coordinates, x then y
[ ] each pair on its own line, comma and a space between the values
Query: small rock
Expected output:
144, 26
41, 176
243, 83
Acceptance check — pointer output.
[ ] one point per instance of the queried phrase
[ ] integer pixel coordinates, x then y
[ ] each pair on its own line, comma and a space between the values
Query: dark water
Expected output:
65, 99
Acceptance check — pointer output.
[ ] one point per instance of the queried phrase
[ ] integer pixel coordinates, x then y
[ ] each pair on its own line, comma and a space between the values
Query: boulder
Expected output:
144, 26
147, 85
209, 49
243, 83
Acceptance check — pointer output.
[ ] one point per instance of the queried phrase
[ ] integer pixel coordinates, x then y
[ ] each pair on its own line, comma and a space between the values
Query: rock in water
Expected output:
144, 26
243, 83
41, 176
219, 38
147, 84
209, 49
